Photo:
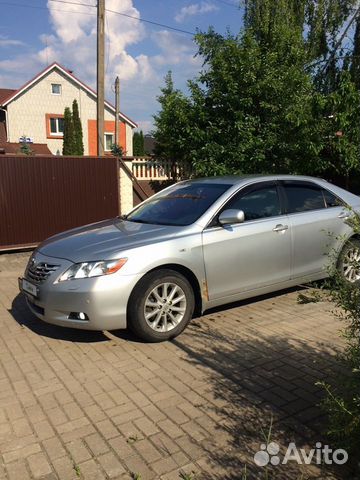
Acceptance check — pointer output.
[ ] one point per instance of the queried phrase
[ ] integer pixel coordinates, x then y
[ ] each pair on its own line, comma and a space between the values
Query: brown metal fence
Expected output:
41, 196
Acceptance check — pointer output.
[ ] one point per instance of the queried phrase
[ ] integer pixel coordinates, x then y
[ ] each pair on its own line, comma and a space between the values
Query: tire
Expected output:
349, 262
160, 306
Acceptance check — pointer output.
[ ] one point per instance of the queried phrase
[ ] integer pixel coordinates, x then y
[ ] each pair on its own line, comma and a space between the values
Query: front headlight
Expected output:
92, 269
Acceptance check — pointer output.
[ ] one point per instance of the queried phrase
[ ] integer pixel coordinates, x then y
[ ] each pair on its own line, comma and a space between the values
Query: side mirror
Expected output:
228, 217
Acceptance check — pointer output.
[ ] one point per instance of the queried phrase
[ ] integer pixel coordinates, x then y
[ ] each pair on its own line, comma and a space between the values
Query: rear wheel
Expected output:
349, 262
160, 306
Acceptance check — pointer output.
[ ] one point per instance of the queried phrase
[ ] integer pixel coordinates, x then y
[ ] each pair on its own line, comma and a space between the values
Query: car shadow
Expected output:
259, 386
126, 335
24, 317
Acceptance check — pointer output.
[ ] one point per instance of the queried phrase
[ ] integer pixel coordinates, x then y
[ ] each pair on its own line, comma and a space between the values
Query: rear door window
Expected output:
332, 200
303, 197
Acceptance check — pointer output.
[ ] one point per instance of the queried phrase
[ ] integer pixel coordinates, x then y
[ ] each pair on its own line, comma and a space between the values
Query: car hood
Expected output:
105, 240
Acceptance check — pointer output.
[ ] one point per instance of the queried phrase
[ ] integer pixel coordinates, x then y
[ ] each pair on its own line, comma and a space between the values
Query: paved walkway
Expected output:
104, 406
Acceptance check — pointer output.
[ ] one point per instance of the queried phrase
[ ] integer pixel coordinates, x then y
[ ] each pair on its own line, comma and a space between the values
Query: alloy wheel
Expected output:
165, 307
351, 265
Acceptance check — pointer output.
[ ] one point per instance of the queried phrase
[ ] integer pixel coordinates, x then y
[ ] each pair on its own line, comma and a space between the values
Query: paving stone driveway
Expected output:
102, 405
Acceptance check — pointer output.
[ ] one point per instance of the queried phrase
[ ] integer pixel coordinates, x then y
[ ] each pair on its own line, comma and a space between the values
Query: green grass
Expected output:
77, 470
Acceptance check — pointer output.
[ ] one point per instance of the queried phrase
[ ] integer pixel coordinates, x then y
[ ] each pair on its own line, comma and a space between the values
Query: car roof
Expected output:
240, 179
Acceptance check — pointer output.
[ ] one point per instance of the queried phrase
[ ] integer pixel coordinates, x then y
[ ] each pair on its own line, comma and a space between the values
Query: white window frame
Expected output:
113, 140
52, 90
58, 133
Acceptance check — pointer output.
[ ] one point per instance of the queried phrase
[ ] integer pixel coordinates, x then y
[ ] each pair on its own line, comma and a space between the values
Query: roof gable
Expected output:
56, 66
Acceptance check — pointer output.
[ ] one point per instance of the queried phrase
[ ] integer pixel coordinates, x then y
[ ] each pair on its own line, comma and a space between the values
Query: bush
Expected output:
342, 402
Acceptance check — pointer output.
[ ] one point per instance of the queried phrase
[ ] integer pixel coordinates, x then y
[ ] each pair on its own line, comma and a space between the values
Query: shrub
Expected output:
342, 401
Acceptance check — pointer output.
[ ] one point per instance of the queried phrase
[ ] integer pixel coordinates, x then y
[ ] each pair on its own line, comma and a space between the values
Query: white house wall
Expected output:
129, 140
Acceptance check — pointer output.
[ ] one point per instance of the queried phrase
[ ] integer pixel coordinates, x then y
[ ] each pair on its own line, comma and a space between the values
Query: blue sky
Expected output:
34, 33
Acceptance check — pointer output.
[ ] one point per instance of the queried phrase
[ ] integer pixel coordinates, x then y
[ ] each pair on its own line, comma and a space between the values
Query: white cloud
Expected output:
9, 42
74, 41
73, 24
176, 53
172, 51
195, 9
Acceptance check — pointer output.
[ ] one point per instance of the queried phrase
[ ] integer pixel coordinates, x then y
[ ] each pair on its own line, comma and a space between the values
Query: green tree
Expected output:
266, 19
252, 108
355, 61
25, 149
172, 123
68, 139
138, 144
141, 143
341, 129
117, 150
78, 134
264, 97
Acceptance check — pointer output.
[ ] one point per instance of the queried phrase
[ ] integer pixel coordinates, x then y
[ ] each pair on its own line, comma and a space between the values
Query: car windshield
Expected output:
181, 205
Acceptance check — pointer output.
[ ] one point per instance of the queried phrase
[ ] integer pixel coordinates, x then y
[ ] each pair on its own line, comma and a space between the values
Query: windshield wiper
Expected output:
139, 221
147, 222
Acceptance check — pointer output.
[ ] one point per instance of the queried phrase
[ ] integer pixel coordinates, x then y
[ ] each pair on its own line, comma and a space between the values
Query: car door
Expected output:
318, 221
247, 256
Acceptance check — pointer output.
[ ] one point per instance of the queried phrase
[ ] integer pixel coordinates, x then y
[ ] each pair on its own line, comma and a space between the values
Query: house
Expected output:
36, 110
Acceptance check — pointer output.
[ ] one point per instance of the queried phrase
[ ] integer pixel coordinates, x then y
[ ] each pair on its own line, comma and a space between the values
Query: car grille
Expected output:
39, 272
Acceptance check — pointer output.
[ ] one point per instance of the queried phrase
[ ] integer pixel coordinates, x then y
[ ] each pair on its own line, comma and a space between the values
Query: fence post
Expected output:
126, 187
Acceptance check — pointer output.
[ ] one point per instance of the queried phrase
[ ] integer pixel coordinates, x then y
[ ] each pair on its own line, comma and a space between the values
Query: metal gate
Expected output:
41, 196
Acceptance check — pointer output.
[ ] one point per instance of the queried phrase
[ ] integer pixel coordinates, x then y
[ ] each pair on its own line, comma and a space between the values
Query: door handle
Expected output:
344, 215
280, 228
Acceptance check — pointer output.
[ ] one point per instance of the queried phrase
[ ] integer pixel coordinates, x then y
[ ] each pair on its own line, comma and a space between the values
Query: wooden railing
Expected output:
148, 168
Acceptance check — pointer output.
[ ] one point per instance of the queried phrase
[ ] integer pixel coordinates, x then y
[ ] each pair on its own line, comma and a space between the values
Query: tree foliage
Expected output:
253, 108
73, 137
117, 150
340, 110
342, 399
78, 134
138, 144
355, 62
172, 123
272, 98
25, 149
68, 139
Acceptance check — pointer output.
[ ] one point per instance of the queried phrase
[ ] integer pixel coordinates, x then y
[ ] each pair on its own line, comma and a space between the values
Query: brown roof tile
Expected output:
5, 93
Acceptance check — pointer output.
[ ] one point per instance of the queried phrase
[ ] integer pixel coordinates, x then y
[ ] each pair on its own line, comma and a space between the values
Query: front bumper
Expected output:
103, 299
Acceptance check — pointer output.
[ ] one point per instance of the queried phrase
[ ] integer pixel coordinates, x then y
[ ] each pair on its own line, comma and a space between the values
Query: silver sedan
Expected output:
193, 246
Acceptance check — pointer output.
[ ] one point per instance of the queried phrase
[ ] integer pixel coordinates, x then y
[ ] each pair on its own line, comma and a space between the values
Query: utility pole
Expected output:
100, 74
117, 110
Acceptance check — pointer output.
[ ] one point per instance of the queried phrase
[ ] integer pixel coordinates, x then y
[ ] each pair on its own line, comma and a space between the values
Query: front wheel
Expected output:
160, 306
349, 262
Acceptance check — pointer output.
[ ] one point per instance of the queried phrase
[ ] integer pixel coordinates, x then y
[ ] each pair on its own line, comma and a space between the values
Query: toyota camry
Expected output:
195, 245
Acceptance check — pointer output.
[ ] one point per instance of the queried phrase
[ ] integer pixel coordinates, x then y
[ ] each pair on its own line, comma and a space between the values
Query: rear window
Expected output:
332, 200
181, 205
303, 197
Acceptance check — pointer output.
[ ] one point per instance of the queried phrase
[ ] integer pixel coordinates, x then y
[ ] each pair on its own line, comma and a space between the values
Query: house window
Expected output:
56, 88
56, 126
109, 141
